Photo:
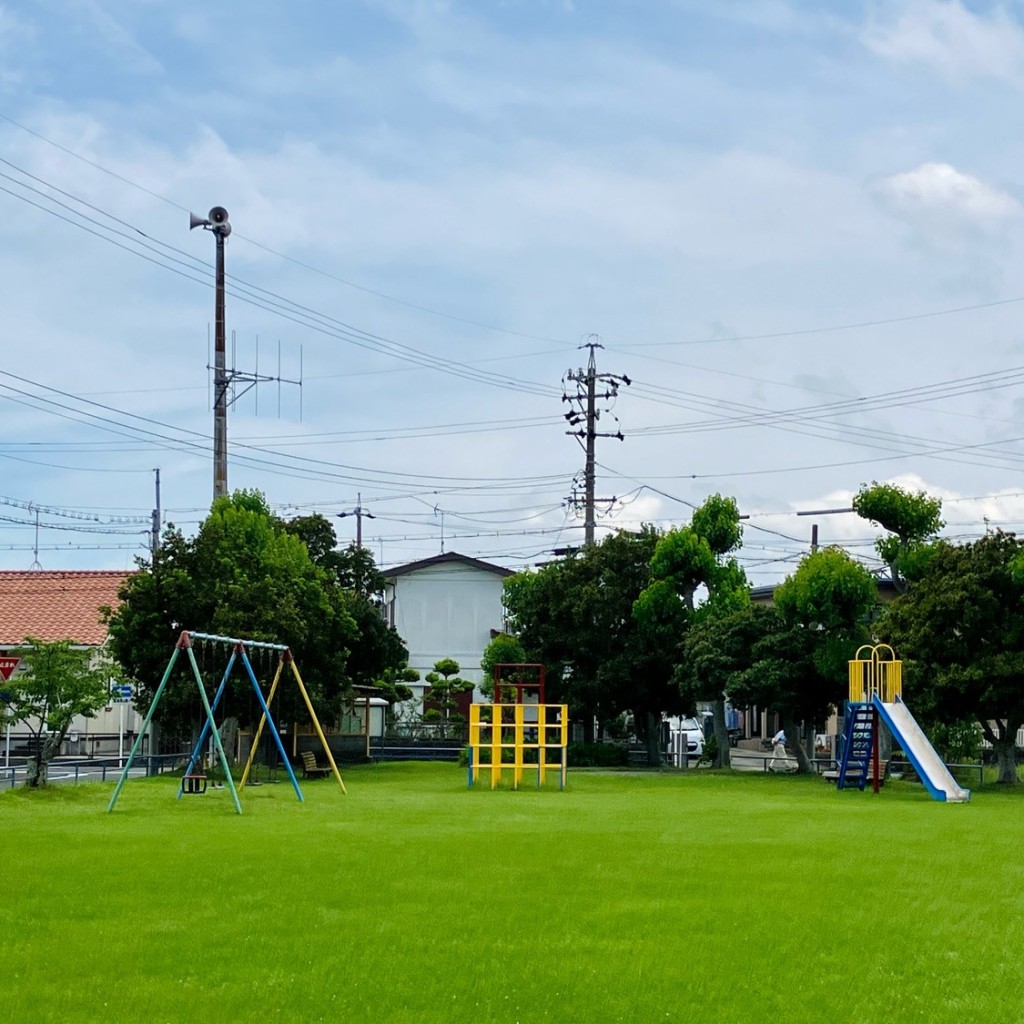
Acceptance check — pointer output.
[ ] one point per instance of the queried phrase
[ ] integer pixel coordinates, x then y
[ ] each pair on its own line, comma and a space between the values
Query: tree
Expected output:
243, 574
503, 649
445, 687
912, 519
393, 684
799, 668
352, 569
717, 649
960, 631
58, 683
575, 616
685, 560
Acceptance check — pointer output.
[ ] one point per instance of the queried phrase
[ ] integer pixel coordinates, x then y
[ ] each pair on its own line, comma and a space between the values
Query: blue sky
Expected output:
709, 188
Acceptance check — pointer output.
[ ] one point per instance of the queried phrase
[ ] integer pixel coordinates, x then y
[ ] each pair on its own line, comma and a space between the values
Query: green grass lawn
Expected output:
639, 898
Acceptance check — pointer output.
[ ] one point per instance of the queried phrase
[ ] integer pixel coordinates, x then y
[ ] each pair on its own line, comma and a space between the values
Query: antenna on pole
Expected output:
226, 383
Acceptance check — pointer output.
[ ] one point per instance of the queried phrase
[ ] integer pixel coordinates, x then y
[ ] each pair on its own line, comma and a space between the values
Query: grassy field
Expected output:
636, 898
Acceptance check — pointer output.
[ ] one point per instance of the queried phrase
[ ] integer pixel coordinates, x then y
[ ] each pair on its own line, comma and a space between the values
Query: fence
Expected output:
94, 769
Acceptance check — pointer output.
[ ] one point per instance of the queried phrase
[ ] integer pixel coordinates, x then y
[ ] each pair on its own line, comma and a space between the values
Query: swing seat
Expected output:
192, 784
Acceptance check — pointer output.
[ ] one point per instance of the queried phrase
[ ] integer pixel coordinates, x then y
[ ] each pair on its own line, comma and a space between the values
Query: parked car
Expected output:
685, 731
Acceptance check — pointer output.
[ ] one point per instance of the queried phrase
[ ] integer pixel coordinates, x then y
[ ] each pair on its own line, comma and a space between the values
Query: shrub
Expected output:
597, 755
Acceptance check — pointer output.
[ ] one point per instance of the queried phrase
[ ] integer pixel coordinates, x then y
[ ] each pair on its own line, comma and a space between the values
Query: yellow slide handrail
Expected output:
875, 672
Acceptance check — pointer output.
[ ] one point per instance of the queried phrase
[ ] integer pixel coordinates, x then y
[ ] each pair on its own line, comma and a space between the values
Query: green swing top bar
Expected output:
232, 640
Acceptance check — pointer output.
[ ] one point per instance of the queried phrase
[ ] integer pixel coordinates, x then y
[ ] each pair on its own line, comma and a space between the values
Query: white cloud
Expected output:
936, 188
950, 37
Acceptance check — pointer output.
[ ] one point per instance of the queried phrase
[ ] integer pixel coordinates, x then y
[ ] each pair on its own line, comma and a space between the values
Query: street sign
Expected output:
122, 692
7, 666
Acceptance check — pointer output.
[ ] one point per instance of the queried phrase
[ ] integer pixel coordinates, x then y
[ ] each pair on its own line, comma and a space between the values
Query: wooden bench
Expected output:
309, 766
853, 778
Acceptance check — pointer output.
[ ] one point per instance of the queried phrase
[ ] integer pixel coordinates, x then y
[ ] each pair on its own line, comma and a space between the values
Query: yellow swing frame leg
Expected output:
286, 656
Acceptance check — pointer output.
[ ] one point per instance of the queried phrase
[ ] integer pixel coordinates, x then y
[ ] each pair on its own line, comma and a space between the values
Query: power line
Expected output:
306, 266
267, 300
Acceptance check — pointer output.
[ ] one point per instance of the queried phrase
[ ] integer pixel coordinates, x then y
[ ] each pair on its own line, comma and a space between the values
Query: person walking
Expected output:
778, 750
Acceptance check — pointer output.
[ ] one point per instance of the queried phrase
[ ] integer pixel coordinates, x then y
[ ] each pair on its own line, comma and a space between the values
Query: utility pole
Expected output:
156, 516
358, 512
217, 222
814, 526
225, 380
583, 410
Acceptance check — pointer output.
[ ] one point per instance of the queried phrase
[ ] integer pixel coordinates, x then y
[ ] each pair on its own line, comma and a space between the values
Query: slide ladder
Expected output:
855, 766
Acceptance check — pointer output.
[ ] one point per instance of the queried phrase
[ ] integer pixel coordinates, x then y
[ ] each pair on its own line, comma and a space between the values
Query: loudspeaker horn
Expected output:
218, 215
195, 221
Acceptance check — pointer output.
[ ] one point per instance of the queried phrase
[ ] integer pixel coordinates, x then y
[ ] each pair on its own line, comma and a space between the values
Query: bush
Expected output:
958, 741
710, 752
597, 755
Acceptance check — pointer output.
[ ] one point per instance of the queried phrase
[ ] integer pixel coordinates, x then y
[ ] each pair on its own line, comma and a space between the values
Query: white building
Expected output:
445, 607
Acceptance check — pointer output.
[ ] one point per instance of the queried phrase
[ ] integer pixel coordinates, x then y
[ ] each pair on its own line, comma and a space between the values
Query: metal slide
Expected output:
921, 754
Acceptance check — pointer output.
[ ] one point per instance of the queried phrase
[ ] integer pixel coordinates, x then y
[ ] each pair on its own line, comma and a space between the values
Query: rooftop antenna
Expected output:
36, 564
440, 511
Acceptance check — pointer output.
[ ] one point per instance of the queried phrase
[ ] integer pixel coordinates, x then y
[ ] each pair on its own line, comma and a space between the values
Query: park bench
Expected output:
309, 766
853, 776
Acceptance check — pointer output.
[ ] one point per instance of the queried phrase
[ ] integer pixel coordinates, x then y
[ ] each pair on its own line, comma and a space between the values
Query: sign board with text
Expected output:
8, 666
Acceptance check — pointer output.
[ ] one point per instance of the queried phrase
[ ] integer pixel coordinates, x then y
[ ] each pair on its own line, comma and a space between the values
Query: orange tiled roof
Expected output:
56, 605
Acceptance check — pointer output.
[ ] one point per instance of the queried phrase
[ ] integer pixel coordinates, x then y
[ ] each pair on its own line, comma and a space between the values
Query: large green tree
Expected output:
799, 664
694, 576
960, 631
246, 574
718, 648
575, 615
56, 683
912, 519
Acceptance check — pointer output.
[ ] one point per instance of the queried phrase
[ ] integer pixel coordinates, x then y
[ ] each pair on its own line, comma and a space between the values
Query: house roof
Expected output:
448, 558
57, 605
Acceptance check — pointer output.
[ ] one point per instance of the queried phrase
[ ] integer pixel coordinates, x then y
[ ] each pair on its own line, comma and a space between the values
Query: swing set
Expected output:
194, 781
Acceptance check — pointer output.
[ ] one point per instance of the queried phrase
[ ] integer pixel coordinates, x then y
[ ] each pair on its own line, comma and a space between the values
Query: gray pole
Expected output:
591, 515
156, 516
220, 389
358, 512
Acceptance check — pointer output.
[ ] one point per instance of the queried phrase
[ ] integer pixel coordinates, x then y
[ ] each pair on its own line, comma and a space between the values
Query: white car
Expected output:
685, 731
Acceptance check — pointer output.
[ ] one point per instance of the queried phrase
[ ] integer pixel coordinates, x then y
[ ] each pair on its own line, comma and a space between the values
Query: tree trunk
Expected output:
1006, 758
804, 766
1005, 747
721, 734
37, 769
653, 738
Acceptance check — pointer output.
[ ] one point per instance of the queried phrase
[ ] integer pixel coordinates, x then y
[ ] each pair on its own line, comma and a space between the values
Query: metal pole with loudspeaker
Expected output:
217, 222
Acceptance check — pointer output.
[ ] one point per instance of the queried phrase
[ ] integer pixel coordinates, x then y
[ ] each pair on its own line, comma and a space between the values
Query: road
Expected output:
78, 771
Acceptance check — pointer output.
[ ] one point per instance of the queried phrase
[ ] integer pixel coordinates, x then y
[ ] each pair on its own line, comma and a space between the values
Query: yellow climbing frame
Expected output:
518, 737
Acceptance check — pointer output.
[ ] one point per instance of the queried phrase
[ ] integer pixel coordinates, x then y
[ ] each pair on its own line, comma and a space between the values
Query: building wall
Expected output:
446, 611
112, 728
